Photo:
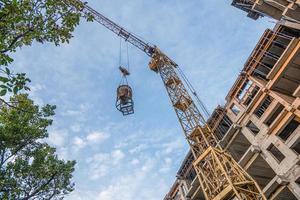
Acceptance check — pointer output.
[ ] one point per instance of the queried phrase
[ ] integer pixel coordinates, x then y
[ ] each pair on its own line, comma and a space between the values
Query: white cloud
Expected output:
63, 153
79, 143
166, 165
79, 111
138, 148
34, 93
117, 155
128, 187
81, 195
76, 128
57, 137
100, 164
71, 113
92, 138
172, 146
135, 161
96, 137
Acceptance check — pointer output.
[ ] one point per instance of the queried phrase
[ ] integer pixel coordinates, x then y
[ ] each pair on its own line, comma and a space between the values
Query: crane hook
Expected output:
124, 71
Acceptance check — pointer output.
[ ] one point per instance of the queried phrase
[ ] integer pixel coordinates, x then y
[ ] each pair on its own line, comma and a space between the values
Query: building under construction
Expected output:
259, 123
276, 9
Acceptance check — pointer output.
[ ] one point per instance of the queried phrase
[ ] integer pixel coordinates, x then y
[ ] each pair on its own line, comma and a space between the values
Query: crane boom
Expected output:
117, 29
220, 176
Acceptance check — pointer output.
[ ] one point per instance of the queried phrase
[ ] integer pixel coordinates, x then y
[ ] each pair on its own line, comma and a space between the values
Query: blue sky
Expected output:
135, 157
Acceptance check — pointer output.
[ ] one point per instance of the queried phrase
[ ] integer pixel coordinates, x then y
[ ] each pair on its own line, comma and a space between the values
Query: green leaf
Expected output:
3, 92
34, 163
7, 71
4, 79
16, 89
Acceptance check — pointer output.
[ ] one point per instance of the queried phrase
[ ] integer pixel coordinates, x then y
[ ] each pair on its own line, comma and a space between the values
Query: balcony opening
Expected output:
251, 95
290, 31
183, 189
244, 89
274, 114
285, 194
261, 171
263, 107
223, 127
289, 81
252, 127
219, 122
190, 176
296, 146
289, 129
276, 153
239, 146
269, 59
267, 52
298, 181
235, 109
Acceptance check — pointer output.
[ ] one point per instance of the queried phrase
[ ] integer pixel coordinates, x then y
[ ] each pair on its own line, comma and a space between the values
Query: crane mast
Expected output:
220, 176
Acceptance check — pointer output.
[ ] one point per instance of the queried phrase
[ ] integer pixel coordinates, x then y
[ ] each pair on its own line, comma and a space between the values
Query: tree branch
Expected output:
16, 40
22, 145
15, 107
41, 187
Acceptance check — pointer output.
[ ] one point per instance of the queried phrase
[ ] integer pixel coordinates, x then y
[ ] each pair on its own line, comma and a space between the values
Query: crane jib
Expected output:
118, 30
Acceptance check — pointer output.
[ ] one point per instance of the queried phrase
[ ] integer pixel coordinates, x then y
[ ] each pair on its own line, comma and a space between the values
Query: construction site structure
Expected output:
260, 123
220, 176
277, 9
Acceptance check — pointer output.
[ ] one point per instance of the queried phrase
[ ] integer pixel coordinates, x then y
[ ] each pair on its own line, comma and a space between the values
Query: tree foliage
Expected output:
12, 83
29, 168
24, 21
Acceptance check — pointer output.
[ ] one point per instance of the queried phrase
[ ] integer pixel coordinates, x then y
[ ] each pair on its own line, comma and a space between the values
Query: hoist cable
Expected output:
128, 62
200, 102
123, 80
120, 53
193, 91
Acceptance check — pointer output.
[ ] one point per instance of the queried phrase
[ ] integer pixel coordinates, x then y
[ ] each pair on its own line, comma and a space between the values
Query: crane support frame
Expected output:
220, 176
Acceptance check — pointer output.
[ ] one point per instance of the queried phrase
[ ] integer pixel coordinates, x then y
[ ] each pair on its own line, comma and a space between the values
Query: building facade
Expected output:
260, 123
277, 9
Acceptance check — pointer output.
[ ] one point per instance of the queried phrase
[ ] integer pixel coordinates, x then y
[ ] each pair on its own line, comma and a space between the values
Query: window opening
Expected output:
263, 107
247, 84
252, 127
289, 129
251, 95
274, 115
276, 153
296, 146
235, 109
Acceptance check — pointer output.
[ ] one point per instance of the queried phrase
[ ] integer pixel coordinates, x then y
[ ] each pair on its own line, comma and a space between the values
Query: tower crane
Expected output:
220, 176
